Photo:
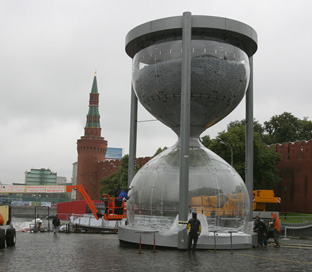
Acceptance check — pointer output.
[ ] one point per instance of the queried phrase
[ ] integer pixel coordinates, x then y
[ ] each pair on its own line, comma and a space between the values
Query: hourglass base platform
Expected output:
210, 238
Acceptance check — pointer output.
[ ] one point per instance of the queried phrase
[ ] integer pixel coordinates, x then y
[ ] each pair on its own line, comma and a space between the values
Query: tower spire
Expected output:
94, 85
93, 127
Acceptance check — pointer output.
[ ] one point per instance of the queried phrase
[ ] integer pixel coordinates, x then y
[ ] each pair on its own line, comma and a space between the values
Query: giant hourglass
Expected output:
220, 51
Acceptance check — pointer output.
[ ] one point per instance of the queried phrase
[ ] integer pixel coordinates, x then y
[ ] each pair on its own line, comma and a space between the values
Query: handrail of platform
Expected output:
296, 227
147, 232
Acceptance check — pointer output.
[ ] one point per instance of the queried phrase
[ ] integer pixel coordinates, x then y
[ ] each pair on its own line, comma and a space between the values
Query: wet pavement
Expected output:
102, 252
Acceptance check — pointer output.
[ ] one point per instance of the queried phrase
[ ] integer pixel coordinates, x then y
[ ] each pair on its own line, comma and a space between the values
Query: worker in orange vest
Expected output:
276, 224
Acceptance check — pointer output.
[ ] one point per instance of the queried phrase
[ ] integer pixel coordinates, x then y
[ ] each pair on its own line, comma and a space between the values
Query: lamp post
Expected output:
228, 145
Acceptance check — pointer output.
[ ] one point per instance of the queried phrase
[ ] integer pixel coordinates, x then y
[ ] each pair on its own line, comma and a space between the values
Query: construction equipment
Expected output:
7, 232
232, 204
115, 208
262, 197
112, 211
219, 205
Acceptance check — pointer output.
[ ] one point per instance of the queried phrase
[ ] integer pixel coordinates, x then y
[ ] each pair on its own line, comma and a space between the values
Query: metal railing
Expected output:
297, 227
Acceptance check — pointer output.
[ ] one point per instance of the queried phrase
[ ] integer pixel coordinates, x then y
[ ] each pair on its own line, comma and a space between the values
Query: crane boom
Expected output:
110, 208
85, 195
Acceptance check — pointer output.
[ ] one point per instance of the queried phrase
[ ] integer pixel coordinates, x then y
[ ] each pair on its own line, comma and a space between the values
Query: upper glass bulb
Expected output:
219, 79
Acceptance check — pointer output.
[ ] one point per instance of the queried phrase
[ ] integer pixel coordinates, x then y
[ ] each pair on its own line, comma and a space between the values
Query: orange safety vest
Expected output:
277, 223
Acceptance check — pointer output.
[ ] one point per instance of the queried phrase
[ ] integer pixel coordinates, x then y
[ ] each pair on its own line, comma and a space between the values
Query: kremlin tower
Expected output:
91, 148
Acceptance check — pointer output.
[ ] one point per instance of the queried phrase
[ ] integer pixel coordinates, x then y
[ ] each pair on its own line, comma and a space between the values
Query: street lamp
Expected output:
228, 145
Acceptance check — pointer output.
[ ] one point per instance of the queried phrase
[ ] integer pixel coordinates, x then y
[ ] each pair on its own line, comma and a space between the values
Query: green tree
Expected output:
159, 150
265, 165
206, 141
265, 159
109, 184
305, 129
256, 125
282, 128
287, 128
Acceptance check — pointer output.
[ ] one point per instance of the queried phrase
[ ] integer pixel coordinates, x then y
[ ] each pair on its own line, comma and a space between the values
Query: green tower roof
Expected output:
93, 117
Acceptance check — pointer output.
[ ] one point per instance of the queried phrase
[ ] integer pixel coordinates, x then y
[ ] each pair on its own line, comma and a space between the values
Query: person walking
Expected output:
56, 223
276, 224
194, 228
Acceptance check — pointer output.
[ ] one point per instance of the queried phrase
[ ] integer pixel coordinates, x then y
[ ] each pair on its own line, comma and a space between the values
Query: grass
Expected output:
295, 217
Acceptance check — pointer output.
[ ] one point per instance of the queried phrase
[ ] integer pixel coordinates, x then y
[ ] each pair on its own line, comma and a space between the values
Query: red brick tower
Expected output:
91, 148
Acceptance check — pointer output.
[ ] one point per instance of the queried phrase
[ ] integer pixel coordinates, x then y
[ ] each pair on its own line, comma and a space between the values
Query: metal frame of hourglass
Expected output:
190, 72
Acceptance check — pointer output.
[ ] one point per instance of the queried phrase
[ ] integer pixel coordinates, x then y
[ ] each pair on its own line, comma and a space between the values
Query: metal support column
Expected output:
133, 136
249, 152
185, 125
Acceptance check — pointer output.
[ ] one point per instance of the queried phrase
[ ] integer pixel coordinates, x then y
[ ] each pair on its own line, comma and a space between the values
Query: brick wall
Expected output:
295, 169
108, 167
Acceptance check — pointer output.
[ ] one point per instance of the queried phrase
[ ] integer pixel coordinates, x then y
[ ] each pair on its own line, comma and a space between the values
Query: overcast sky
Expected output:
50, 49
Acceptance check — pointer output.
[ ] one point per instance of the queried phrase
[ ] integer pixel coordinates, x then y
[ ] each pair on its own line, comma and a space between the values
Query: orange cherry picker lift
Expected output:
112, 212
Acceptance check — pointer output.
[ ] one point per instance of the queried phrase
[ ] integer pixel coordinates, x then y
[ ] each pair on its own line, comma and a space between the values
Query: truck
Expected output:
7, 232
232, 204
262, 197
219, 205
